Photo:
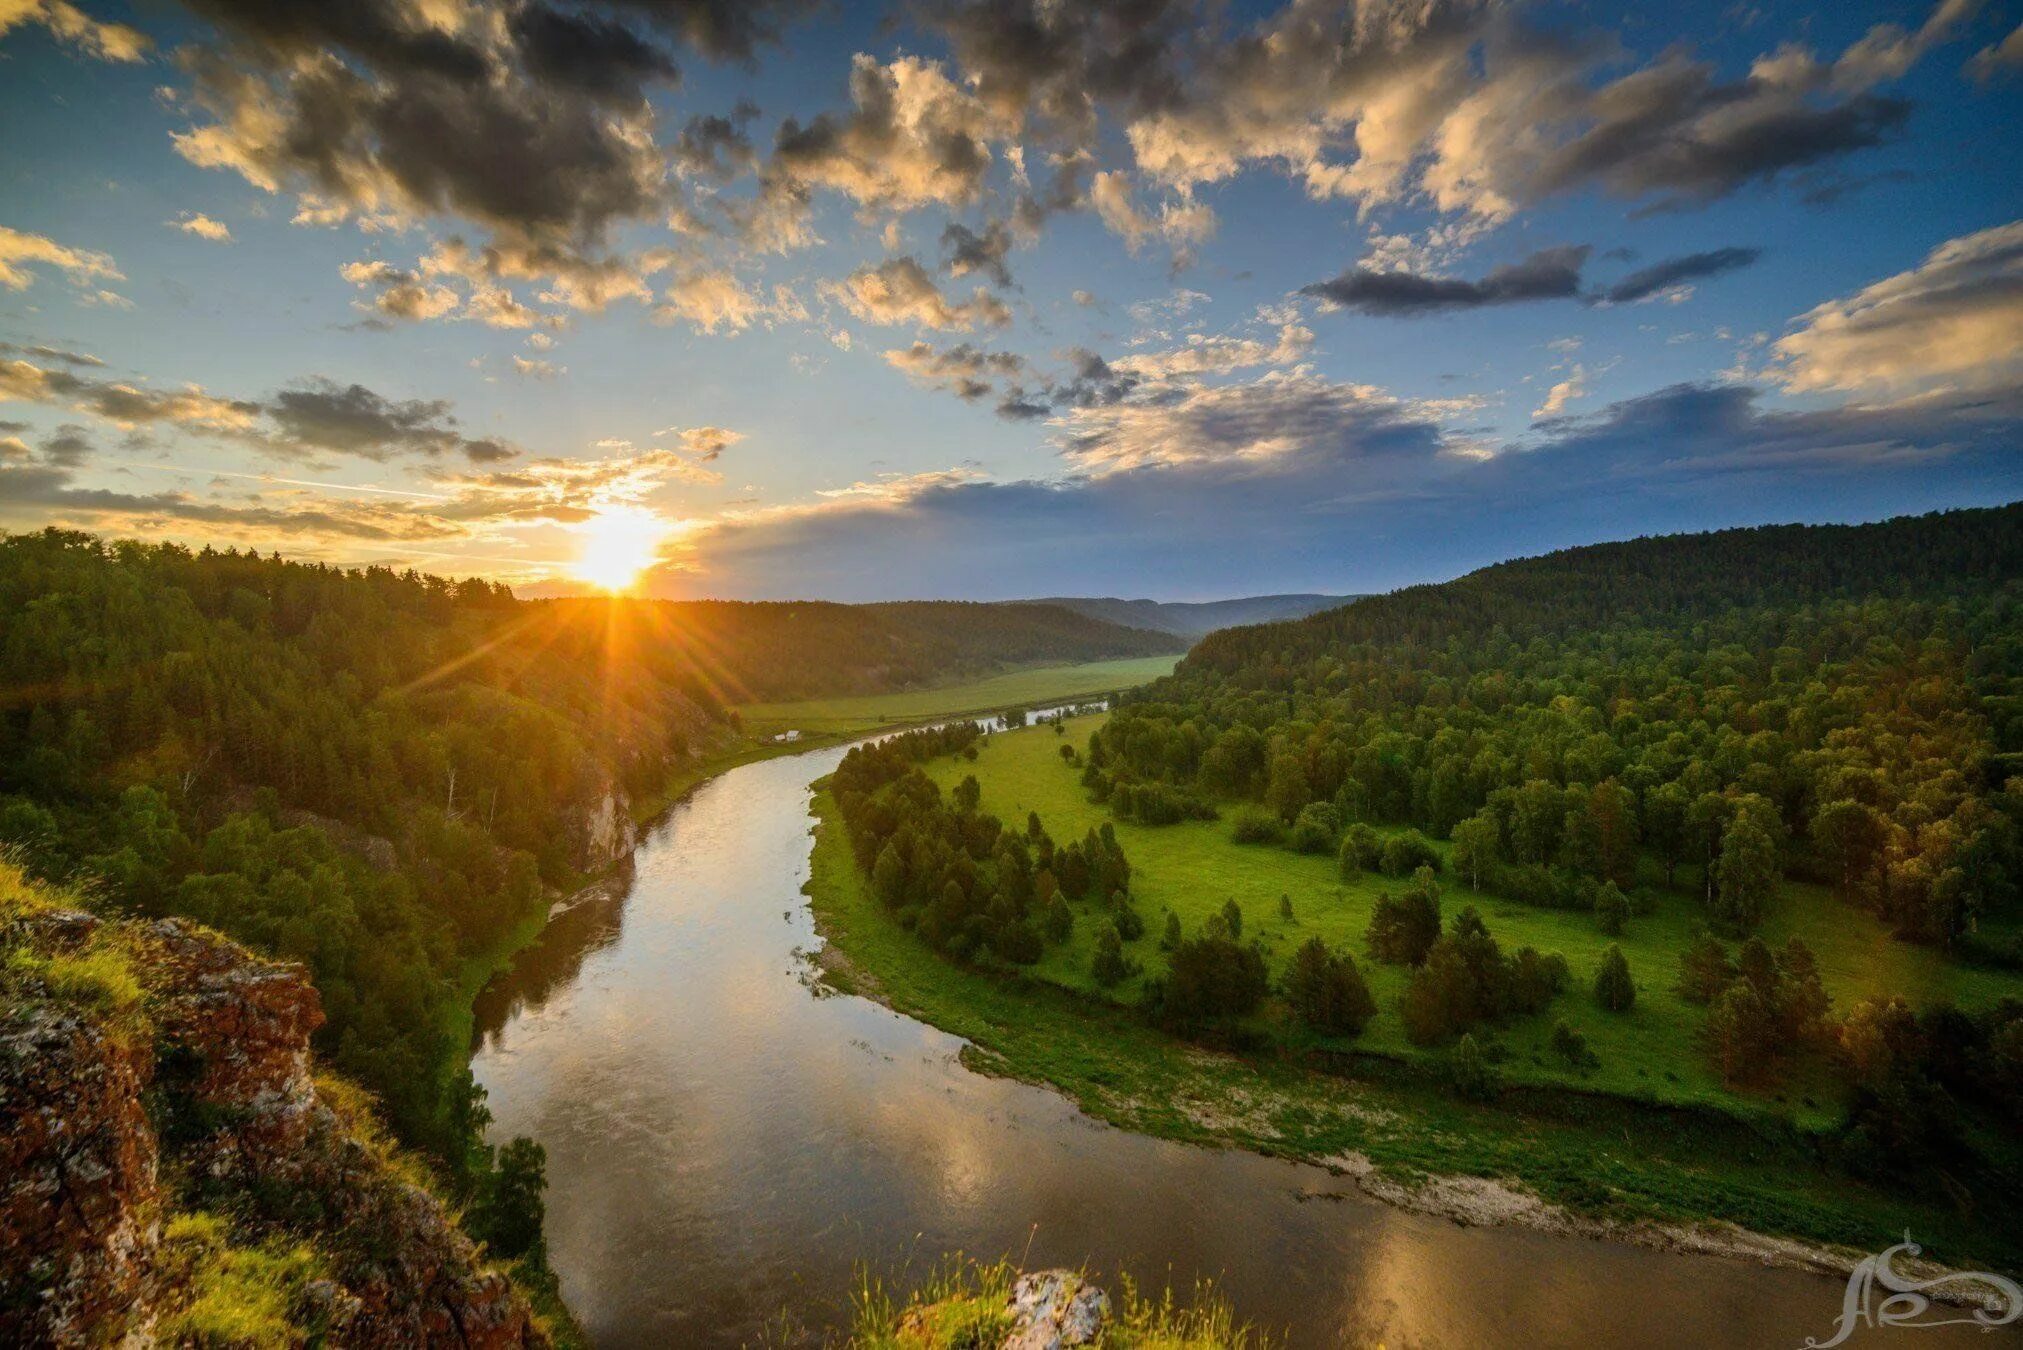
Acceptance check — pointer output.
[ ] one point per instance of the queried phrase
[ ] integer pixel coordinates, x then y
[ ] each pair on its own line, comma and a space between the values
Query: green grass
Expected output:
1030, 687
1649, 1052
1750, 1163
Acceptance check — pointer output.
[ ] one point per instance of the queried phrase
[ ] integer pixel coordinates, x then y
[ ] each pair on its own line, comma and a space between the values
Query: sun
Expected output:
619, 543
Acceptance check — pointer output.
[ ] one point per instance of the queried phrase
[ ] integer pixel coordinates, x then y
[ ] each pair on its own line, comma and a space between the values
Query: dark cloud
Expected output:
716, 147
68, 448
1550, 274
719, 29
965, 370
602, 57
969, 251
352, 419
46, 353
1661, 276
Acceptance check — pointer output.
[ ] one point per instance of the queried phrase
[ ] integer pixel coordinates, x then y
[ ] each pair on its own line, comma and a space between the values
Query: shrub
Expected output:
1108, 966
1404, 854
1315, 828
1326, 990
1255, 825
1285, 914
1572, 1047
1403, 930
1471, 1073
1060, 921
1171, 938
1130, 926
1614, 989
1211, 977
1361, 850
1612, 909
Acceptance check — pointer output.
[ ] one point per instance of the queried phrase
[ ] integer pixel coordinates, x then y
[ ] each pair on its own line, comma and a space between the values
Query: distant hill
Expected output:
1197, 618
766, 651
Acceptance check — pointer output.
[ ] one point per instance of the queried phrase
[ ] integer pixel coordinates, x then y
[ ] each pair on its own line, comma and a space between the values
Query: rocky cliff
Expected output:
171, 1171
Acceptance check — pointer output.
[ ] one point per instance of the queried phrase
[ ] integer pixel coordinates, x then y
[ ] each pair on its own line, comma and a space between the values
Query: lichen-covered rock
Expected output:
607, 832
225, 1048
79, 1201
1053, 1309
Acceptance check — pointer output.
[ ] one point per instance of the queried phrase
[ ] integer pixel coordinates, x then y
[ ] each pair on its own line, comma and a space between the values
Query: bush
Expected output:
1211, 977
1171, 938
1404, 854
1326, 990
1130, 926
1362, 849
1315, 829
1471, 1073
1109, 966
1612, 909
1572, 1047
1255, 825
1060, 921
1403, 930
1614, 989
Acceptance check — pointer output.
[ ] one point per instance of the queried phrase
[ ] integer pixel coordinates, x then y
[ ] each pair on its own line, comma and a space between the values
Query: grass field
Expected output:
1031, 687
1649, 1052
1591, 1155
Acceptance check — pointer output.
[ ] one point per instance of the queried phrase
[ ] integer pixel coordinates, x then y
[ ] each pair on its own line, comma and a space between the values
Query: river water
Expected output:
729, 1145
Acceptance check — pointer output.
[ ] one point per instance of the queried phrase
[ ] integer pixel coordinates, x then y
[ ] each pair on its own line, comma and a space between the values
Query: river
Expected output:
729, 1144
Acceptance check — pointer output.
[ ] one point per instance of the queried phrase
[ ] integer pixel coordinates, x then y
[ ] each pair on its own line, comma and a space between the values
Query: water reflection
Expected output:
726, 1150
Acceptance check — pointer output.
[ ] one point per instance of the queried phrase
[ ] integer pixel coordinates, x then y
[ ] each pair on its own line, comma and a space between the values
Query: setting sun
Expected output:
619, 543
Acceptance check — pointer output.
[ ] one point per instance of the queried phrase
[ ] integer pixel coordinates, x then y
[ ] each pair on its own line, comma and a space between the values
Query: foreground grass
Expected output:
1651, 1052
962, 1306
1594, 1154
1032, 687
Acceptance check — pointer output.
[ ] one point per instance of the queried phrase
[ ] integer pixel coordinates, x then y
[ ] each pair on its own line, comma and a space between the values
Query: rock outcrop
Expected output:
197, 1091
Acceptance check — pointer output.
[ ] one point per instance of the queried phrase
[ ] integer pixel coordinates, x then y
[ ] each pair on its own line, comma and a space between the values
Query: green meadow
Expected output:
1650, 1052
1603, 1159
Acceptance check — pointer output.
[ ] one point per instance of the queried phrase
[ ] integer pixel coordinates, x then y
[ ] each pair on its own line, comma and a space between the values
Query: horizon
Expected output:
859, 303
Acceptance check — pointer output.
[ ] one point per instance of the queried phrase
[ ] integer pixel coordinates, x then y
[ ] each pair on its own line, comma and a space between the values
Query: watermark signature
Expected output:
1903, 1301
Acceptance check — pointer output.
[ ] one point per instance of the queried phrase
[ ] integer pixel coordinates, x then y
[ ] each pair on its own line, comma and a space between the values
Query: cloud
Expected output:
705, 443
402, 294
204, 227
911, 138
967, 371
19, 251
1564, 392
899, 291
715, 147
43, 352
2006, 55
317, 416
1663, 276
1550, 274
969, 251
1183, 224
1953, 322
710, 299
534, 368
1217, 355
72, 26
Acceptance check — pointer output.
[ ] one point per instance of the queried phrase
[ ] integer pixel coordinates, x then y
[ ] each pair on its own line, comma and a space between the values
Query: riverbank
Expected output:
1664, 1179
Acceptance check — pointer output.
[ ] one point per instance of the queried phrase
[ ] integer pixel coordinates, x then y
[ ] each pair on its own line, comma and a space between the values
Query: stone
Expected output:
1053, 1309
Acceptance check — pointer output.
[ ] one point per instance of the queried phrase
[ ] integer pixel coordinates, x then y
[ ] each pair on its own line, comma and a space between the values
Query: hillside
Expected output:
772, 651
1727, 825
175, 1171
1192, 619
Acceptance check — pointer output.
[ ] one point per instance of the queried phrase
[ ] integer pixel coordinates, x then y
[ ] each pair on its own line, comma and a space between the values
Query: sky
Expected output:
996, 298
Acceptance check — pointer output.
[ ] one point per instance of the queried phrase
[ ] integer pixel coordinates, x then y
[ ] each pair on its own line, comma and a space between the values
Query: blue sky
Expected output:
988, 300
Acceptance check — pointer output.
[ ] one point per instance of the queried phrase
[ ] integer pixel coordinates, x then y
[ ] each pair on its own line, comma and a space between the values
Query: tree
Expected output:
1704, 969
1612, 908
888, 876
1362, 849
1739, 1030
1315, 828
1850, 837
1572, 1047
1747, 874
1171, 938
510, 1217
1471, 1073
1285, 914
1407, 852
968, 793
1477, 847
1108, 966
1060, 921
1614, 989
1209, 978
1130, 925
1326, 990
1403, 930
1232, 918
1664, 828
